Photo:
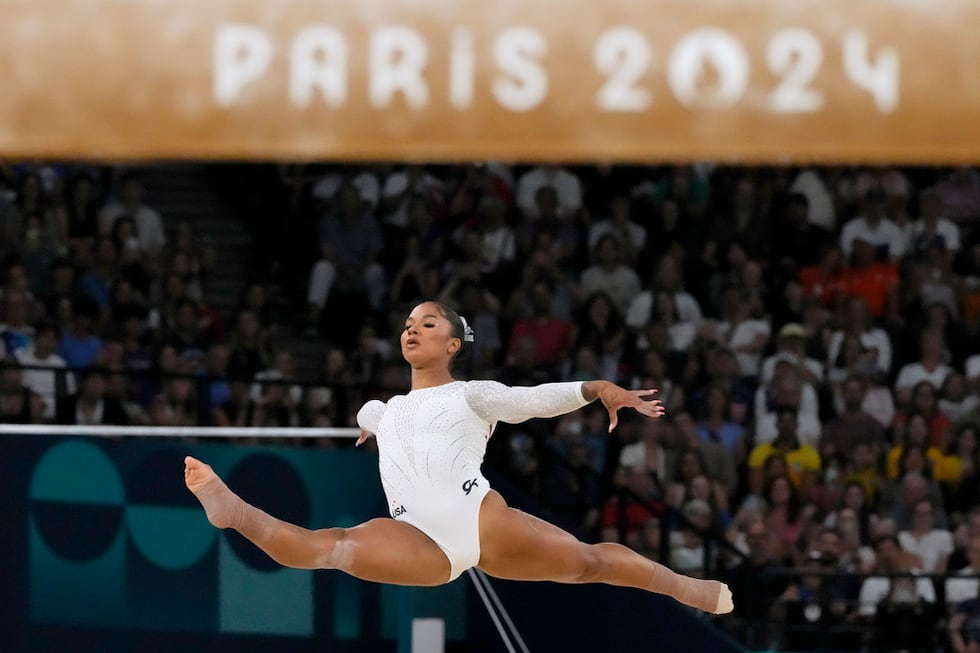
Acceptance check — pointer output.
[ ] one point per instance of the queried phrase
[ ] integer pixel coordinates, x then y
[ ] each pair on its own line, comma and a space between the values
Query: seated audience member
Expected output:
852, 425
959, 589
755, 587
18, 403
902, 609
90, 406
933, 545
44, 383
803, 460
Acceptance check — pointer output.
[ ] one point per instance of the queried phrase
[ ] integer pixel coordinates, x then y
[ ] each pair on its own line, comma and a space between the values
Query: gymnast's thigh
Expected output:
390, 551
519, 546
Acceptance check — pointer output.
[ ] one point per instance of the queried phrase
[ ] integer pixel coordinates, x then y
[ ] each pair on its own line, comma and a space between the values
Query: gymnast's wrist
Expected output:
591, 390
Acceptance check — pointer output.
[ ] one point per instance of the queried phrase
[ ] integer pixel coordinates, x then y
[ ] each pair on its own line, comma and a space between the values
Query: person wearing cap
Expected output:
791, 343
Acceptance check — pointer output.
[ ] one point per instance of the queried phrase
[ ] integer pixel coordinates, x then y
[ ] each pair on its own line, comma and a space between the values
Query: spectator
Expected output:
81, 214
718, 462
715, 425
350, 243
803, 460
16, 332
924, 401
631, 236
551, 334
571, 490
875, 343
687, 550
898, 606
873, 226
96, 282
18, 403
566, 185
90, 406
81, 344
609, 275
48, 385
746, 334
933, 545
149, 226
627, 510
248, 352
600, 326
930, 367
852, 424
932, 229
755, 587
955, 399
787, 391
668, 277
791, 347
785, 516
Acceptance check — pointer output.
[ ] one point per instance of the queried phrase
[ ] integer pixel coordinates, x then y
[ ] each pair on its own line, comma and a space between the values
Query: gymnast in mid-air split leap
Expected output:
445, 518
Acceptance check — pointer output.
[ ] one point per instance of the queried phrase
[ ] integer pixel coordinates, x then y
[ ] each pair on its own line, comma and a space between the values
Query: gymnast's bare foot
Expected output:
223, 507
725, 603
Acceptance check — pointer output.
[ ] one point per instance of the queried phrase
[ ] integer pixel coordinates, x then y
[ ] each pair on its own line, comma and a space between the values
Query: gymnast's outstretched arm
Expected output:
496, 402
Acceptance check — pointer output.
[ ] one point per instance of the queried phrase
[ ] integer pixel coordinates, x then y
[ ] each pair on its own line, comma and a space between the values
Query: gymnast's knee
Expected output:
591, 563
337, 549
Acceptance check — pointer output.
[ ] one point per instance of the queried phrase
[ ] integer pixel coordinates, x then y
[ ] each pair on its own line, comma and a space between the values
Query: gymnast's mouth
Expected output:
411, 342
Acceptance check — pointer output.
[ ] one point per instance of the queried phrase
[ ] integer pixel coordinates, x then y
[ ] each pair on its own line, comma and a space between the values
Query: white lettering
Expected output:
318, 62
689, 64
241, 54
796, 55
622, 54
461, 69
525, 85
879, 77
397, 58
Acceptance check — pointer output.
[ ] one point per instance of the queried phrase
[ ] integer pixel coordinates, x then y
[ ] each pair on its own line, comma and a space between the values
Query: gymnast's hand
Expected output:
614, 397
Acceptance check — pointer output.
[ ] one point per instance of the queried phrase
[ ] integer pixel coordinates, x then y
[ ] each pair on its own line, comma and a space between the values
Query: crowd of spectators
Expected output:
813, 332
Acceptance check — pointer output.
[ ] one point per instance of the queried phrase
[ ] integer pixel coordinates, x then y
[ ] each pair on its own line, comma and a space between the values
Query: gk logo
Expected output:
469, 485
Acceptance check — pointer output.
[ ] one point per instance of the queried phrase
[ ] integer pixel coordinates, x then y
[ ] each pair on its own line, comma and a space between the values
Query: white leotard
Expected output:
432, 442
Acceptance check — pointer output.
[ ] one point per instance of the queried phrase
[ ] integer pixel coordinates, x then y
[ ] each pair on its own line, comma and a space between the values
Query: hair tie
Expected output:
467, 330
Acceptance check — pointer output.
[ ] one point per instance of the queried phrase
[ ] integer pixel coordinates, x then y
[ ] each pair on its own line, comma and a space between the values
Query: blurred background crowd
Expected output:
813, 332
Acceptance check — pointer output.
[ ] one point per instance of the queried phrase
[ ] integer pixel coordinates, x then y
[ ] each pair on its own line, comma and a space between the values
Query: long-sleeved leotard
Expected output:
431, 445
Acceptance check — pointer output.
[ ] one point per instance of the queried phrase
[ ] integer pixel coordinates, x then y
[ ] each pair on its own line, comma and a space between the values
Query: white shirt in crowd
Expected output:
366, 184
820, 203
769, 365
962, 589
876, 589
566, 185
946, 229
641, 309
912, 374
149, 226
741, 334
885, 233
636, 234
972, 367
621, 284
873, 339
42, 382
931, 547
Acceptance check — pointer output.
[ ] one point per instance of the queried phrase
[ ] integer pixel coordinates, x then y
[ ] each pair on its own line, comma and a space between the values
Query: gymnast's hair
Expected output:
461, 330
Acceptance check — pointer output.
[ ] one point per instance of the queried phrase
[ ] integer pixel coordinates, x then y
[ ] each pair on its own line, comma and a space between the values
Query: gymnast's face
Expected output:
427, 338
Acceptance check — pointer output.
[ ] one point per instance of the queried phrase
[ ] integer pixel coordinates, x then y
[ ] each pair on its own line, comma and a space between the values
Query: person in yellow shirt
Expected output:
802, 459
945, 469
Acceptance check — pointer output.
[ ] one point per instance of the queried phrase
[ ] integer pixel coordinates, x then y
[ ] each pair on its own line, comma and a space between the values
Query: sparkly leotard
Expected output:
432, 442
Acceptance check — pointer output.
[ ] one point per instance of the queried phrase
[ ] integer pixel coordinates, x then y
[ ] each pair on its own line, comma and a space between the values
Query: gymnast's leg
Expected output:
365, 551
518, 546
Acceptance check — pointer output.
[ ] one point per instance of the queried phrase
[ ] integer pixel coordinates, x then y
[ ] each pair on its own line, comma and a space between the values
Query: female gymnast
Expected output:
444, 516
